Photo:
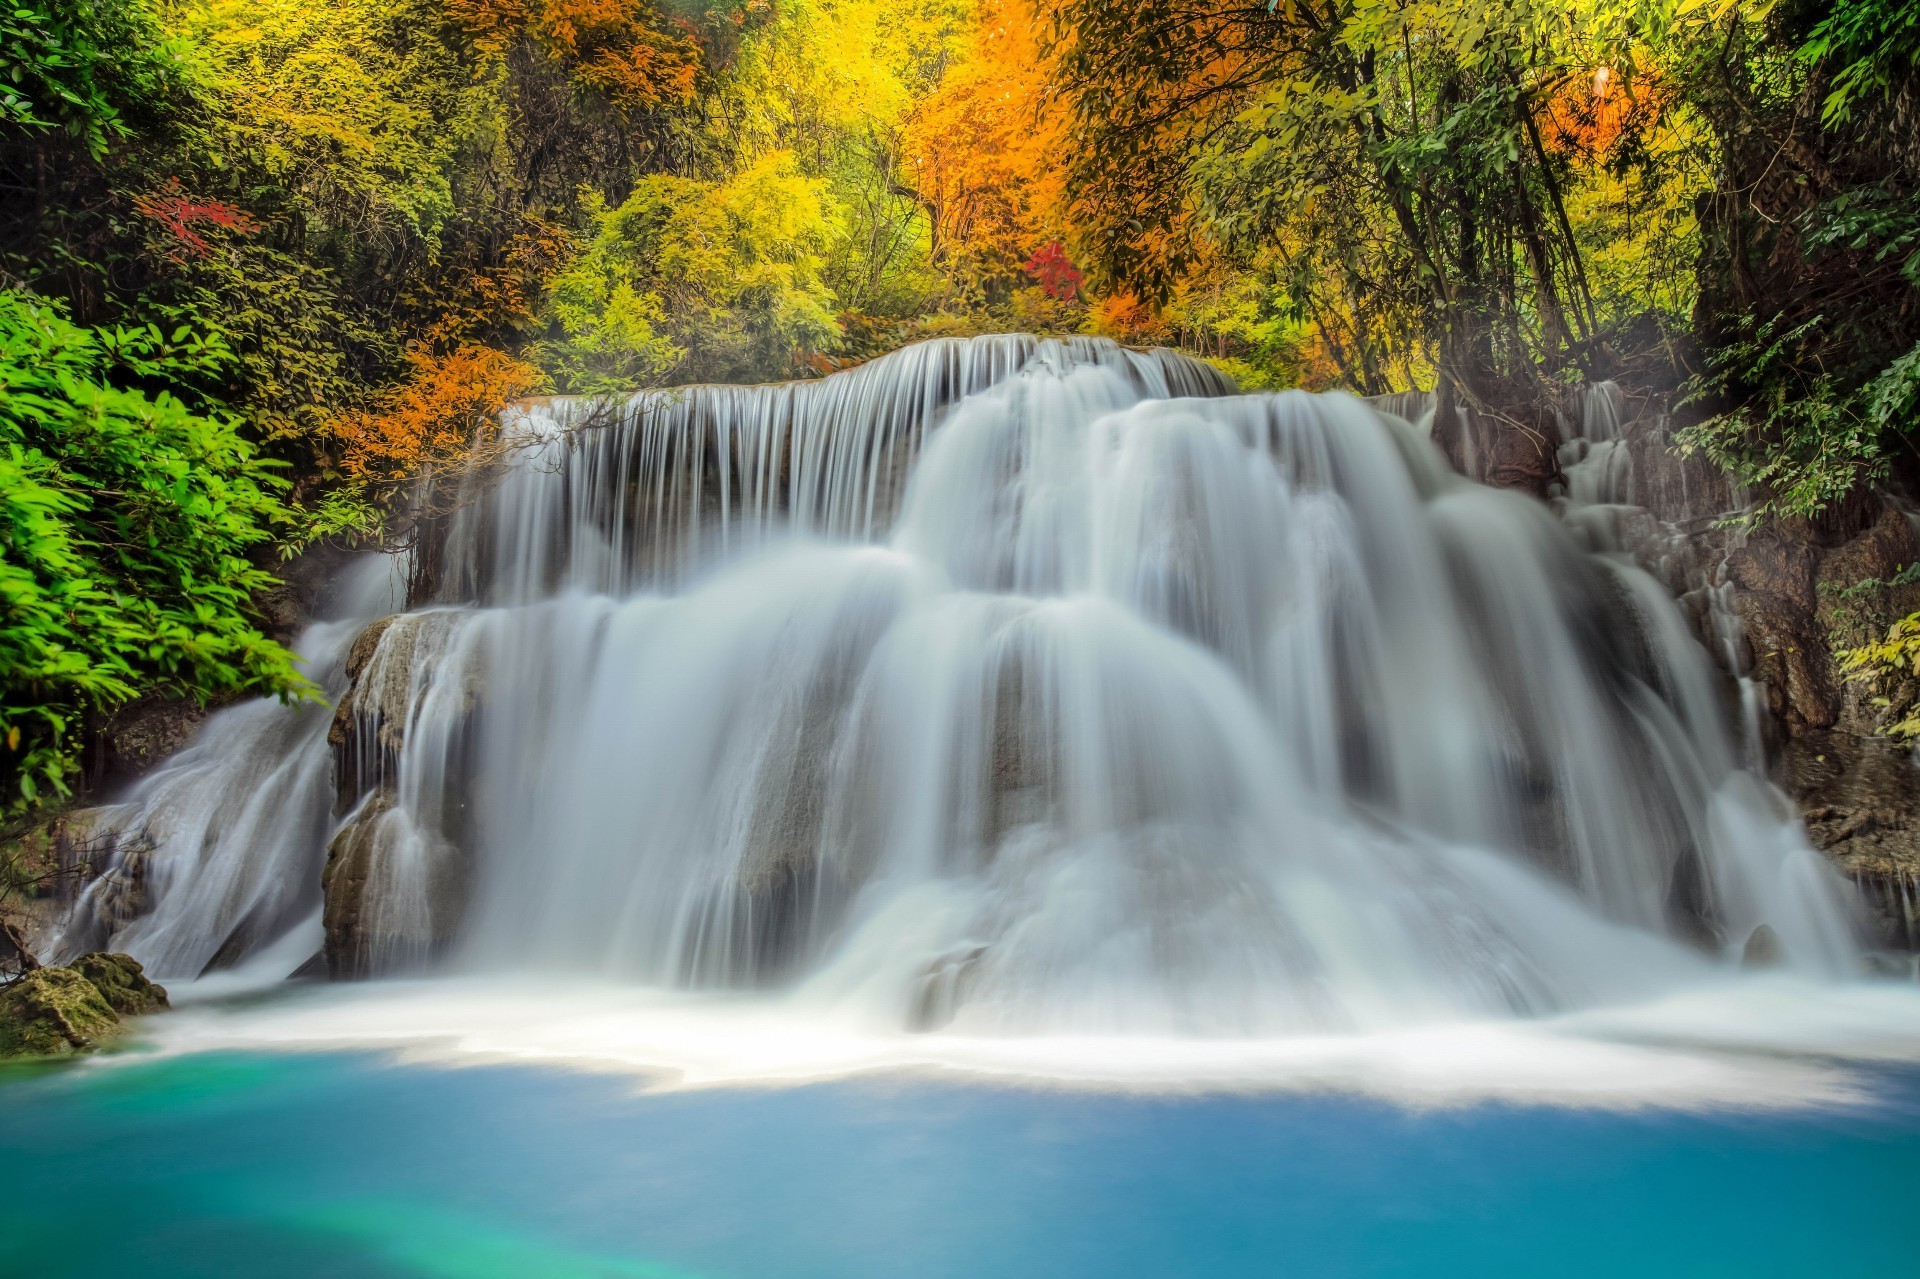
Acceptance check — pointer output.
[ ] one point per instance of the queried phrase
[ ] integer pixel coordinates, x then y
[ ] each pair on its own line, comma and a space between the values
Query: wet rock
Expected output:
343, 884
1800, 590
1763, 949
1774, 576
288, 606
394, 894
1522, 452
388, 665
16, 954
122, 982
354, 757
60, 1011
147, 731
52, 1012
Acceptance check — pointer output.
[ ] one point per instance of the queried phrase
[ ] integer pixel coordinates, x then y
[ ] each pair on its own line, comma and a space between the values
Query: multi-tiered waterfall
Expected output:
1000, 684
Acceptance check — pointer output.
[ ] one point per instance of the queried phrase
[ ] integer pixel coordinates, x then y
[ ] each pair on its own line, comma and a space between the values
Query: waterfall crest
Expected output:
1014, 686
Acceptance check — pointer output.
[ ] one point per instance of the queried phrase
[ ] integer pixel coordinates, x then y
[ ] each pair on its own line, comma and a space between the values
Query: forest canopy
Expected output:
263, 262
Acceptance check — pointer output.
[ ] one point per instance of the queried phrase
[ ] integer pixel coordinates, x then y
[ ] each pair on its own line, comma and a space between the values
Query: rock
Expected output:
144, 732
389, 664
1776, 597
1763, 949
58, 1011
394, 893
288, 606
1521, 452
53, 1012
343, 885
122, 982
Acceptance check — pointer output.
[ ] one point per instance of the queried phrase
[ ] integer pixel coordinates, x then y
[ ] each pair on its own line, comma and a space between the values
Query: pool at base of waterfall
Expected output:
305, 1134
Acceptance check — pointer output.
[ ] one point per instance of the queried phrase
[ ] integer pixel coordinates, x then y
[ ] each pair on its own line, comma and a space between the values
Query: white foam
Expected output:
1749, 1043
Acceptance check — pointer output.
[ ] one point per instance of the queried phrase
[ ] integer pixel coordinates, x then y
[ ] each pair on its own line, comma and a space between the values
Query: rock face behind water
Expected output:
1795, 591
395, 880
62, 1011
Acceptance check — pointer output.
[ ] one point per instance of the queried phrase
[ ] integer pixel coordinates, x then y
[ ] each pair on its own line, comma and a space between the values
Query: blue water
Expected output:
348, 1165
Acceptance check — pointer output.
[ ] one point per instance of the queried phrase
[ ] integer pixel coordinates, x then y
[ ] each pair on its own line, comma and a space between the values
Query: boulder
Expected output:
149, 730
122, 982
1763, 949
394, 892
389, 664
52, 1012
16, 953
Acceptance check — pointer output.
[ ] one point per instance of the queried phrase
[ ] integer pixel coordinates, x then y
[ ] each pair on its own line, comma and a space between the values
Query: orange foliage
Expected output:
614, 46
1587, 118
444, 413
982, 147
1127, 317
504, 294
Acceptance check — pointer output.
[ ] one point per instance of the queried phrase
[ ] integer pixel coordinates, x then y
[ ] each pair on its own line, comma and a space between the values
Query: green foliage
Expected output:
1817, 412
1798, 438
1867, 44
691, 281
126, 522
345, 514
95, 70
301, 344
1869, 219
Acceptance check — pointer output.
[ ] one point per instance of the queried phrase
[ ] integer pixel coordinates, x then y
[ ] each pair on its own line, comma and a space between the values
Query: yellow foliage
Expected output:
335, 106
1896, 657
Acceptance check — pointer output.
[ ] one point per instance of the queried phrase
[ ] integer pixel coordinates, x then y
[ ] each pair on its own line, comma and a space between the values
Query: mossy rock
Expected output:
56, 1011
122, 982
53, 1011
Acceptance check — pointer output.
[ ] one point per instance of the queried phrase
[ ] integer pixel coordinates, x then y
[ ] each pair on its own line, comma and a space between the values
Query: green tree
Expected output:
127, 522
690, 281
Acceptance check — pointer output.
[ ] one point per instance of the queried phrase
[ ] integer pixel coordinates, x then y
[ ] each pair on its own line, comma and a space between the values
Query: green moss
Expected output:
56, 1011
122, 983
53, 1011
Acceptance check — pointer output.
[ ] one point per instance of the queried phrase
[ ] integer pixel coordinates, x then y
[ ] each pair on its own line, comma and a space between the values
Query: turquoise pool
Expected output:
301, 1165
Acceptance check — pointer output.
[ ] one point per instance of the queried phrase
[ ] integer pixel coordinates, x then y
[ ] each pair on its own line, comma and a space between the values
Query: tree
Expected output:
127, 523
697, 281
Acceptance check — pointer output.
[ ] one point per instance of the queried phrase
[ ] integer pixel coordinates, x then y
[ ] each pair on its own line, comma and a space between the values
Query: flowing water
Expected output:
1034, 711
1017, 686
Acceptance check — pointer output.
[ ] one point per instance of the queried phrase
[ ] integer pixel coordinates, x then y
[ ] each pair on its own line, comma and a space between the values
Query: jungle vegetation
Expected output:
264, 262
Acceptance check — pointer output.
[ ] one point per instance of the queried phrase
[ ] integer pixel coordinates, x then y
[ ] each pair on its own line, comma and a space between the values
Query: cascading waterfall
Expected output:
1012, 686
217, 853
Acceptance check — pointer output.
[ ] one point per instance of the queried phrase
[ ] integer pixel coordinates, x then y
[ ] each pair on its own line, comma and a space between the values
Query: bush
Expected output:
126, 522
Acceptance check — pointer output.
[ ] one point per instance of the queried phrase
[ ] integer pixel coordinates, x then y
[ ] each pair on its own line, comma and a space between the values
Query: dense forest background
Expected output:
263, 263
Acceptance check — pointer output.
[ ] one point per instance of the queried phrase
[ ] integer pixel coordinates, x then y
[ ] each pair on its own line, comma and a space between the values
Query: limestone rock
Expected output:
343, 884
388, 665
122, 982
53, 1012
1763, 949
394, 893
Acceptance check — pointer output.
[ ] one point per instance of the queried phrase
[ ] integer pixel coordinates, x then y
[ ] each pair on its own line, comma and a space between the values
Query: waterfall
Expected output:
216, 854
1010, 686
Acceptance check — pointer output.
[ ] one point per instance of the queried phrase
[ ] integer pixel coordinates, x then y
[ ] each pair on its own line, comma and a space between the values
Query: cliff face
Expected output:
1774, 603
1801, 593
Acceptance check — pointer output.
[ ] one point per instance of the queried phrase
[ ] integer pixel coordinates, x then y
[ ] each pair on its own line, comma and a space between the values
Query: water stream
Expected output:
999, 686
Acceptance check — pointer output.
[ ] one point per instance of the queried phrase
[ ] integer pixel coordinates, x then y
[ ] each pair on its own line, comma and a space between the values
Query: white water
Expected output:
1003, 687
